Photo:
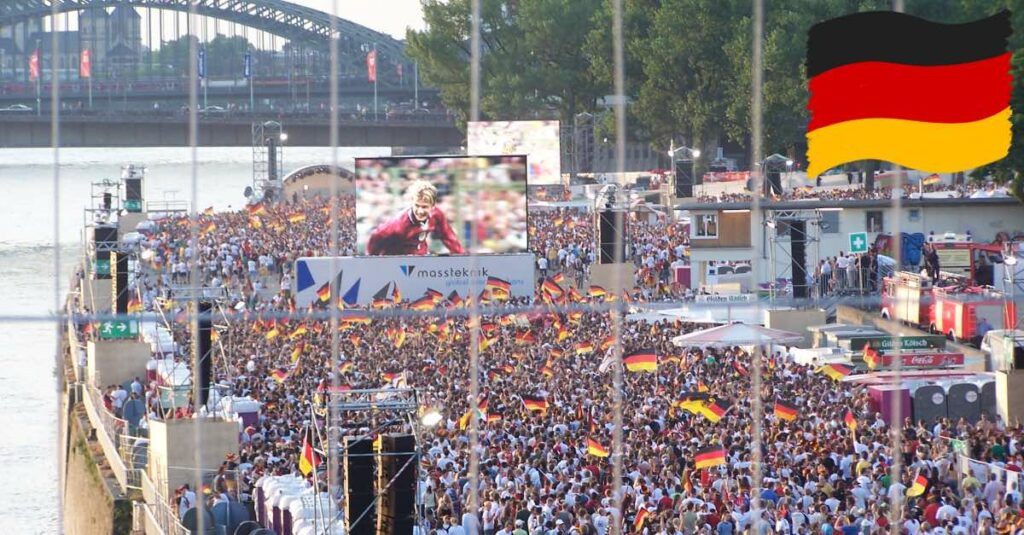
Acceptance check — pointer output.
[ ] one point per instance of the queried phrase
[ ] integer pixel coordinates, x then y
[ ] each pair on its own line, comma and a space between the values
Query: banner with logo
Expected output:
726, 176
356, 280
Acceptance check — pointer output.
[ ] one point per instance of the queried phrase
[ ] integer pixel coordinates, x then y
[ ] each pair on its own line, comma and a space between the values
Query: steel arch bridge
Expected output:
278, 17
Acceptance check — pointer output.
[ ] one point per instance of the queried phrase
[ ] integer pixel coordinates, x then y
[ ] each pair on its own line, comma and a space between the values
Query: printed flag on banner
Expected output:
33, 66
85, 64
371, 66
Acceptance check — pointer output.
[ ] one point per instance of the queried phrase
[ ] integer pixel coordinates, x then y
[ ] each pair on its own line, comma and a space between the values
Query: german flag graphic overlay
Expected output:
709, 457
785, 411
928, 96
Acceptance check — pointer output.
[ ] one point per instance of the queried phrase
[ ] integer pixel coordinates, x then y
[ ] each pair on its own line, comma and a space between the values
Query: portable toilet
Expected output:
988, 400
964, 402
929, 404
891, 401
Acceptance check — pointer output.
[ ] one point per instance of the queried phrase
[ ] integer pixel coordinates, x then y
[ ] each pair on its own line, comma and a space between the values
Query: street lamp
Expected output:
694, 154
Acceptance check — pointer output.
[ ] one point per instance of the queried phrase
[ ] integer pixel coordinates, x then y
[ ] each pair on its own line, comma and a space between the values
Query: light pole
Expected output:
694, 154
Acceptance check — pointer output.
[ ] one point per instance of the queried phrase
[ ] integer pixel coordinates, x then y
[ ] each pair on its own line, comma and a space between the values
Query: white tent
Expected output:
736, 334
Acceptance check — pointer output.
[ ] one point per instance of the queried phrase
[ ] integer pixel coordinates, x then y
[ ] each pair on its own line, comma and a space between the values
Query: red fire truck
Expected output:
906, 297
957, 311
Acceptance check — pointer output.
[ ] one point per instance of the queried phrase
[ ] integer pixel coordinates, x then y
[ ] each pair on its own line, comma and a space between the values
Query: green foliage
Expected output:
223, 55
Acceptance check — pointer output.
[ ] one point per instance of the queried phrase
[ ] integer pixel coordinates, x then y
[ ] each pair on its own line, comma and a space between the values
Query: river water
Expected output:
32, 290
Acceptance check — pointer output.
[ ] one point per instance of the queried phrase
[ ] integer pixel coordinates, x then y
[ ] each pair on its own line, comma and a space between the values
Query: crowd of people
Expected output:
546, 409
843, 193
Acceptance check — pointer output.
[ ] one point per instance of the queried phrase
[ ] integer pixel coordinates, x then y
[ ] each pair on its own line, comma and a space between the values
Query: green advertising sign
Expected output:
102, 266
903, 343
133, 205
118, 329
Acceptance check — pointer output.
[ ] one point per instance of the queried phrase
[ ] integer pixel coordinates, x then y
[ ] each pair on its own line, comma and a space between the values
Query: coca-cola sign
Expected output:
924, 360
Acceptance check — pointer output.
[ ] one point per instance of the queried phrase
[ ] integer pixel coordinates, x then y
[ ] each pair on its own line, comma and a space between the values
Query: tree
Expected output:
533, 61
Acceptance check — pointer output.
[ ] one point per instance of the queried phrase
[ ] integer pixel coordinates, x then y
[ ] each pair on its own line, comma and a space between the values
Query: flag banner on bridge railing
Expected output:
371, 66
201, 63
247, 65
85, 64
33, 66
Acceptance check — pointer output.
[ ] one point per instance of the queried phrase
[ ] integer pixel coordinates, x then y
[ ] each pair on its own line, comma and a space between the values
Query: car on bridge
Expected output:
16, 108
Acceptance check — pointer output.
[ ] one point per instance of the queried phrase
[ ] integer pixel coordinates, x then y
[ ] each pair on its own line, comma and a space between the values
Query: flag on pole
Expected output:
85, 64
371, 66
324, 293
920, 485
709, 457
309, 460
596, 449
645, 360
785, 411
851, 422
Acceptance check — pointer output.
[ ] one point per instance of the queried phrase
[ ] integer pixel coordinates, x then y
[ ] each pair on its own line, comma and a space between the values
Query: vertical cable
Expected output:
616, 285
193, 141
896, 425
57, 311
333, 436
474, 314
757, 133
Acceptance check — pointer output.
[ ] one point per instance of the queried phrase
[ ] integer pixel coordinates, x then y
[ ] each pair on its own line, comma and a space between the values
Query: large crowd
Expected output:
538, 471
842, 193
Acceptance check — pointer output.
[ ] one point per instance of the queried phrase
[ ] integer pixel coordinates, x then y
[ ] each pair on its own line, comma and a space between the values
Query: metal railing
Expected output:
108, 427
159, 512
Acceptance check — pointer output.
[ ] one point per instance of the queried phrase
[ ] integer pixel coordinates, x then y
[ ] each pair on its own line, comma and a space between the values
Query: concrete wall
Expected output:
116, 361
173, 444
603, 275
796, 321
92, 504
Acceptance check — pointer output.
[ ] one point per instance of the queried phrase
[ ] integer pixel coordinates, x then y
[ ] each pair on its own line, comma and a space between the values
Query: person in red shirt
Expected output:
409, 232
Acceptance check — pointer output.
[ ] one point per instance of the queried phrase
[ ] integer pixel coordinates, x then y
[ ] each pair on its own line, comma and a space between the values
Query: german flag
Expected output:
324, 293
380, 299
208, 228
559, 278
493, 417
645, 360
297, 218
256, 209
575, 317
279, 374
534, 403
423, 304
584, 348
506, 320
931, 179
920, 485
454, 300
597, 291
709, 457
608, 342
575, 296
714, 409
309, 460
433, 294
552, 288
499, 287
525, 338
134, 305
596, 449
208, 211
489, 329
928, 96
356, 319
871, 357
272, 333
390, 376
354, 338
483, 343
214, 335
297, 352
785, 411
851, 422
346, 366
702, 386
396, 297
548, 372
299, 331
835, 371
639, 519
563, 333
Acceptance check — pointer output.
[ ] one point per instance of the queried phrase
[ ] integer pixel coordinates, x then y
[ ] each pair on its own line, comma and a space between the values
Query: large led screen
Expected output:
538, 140
428, 205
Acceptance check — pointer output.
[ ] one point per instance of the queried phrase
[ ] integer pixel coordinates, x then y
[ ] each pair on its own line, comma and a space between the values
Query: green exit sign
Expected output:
118, 329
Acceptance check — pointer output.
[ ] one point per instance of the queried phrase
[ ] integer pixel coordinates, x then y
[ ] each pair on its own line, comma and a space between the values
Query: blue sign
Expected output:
247, 65
201, 64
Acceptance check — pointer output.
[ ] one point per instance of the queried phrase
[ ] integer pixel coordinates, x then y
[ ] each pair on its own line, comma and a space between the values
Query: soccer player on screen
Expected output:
409, 232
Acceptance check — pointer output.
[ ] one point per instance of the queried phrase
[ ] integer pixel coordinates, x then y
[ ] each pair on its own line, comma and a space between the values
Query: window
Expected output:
830, 222
874, 221
915, 214
705, 226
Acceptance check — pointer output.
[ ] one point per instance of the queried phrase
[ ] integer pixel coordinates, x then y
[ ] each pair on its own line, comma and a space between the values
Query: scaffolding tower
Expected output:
779, 223
267, 164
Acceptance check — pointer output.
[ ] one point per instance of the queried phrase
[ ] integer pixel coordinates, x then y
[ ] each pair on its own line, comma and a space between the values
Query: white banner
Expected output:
357, 279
